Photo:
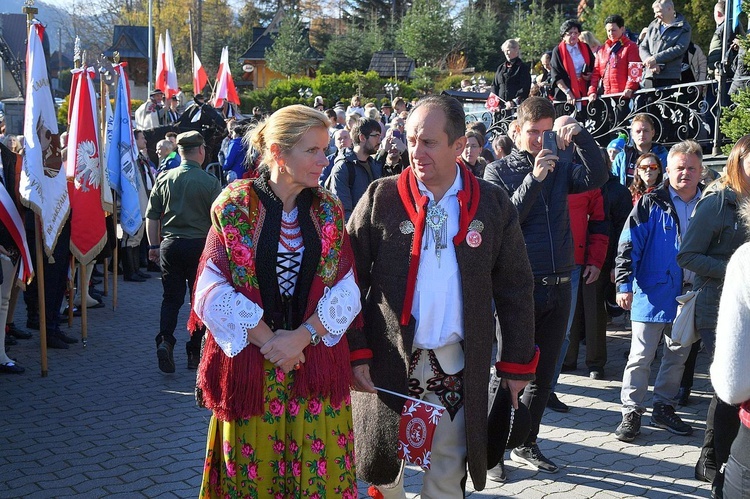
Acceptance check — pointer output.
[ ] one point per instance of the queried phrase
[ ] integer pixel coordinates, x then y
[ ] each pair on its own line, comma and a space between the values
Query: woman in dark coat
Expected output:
572, 62
512, 78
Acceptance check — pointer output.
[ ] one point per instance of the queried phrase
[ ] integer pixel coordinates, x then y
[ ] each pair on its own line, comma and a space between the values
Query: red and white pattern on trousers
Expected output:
416, 430
745, 413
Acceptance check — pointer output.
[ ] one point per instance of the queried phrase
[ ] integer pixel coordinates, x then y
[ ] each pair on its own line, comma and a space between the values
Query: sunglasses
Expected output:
651, 167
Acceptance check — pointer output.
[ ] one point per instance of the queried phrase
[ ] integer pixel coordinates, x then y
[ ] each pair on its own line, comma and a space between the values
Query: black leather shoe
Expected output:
11, 368
18, 334
556, 404
55, 341
142, 274
596, 373
193, 359
32, 324
134, 278
67, 339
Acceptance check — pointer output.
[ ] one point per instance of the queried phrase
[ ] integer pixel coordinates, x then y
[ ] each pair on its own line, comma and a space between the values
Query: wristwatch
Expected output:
314, 338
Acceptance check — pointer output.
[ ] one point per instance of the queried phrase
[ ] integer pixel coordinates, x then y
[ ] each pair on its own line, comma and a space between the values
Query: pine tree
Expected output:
287, 54
426, 32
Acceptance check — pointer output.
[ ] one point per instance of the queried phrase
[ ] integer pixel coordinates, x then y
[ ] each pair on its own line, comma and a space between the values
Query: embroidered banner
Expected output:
635, 72
493, 102
416, 430
88, 232
46, 196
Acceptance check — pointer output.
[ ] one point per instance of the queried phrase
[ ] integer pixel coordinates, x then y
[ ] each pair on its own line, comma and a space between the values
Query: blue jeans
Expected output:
575, 281
737, 471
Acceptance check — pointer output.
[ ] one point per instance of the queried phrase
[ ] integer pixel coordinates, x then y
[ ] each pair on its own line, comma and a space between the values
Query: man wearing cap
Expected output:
385, 113
177, 222
150, 114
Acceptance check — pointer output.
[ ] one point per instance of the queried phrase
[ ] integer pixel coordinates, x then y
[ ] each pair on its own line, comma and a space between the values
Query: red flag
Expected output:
493, 102
88, 231
225, 89
200, 78
416, 429
635, 72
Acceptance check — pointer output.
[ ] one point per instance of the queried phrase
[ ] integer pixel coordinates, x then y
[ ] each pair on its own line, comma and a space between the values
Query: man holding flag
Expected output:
434, 247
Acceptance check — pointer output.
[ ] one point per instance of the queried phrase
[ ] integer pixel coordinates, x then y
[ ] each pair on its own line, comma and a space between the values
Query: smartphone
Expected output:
397, 134
549, 141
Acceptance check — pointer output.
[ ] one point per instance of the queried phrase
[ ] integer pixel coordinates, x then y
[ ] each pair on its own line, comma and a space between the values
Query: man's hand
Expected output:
514, 386
362, 380
593, 97
566, 133
591, 273
543, 164
625, 300
628, 93
153, 255
650, 63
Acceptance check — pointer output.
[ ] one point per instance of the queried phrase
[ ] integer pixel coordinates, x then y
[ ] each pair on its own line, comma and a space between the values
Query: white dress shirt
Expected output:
438, 303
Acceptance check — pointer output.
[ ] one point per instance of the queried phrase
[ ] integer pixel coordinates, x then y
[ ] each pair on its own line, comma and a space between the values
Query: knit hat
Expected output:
617, 144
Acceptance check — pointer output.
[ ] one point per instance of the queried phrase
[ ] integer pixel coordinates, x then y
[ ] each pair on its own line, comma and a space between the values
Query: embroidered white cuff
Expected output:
227, 313
338, 307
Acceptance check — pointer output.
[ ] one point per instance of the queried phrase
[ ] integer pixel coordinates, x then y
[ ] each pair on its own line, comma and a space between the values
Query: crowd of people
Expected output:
358, 253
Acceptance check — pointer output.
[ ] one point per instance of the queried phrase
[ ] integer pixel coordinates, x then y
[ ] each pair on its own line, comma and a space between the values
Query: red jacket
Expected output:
615, 74
590, 227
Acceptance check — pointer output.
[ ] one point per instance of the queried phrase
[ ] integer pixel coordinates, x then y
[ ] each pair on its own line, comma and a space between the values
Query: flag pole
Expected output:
30, 11
116, 250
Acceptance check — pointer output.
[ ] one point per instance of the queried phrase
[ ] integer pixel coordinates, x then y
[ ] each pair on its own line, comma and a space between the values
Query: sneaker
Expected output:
497, 474
532, 456
629, 428
555, 404
165, 355
663, 416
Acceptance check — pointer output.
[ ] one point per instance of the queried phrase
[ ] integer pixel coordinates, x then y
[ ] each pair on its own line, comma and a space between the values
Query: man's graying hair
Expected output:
686, 147
455, 118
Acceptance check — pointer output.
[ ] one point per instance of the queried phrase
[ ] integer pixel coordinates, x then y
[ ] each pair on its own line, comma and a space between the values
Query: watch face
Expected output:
314, 339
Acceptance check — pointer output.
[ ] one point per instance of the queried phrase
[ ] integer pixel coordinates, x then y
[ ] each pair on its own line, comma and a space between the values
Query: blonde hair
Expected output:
285, 128
734, 176
589, 39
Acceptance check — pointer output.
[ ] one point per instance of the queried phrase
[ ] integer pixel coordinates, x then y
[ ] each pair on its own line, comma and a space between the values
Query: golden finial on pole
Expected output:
29, 10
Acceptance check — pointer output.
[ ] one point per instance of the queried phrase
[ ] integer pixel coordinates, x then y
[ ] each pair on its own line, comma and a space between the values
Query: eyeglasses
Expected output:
653, 167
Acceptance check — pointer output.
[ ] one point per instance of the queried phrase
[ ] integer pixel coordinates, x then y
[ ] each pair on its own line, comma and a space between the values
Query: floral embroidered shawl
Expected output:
232, 387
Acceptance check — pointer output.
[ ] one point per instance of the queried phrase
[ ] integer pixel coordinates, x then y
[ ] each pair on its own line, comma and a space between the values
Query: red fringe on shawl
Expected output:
233, 387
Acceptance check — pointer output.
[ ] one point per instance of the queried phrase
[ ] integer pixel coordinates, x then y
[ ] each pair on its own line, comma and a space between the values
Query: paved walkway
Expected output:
107, 423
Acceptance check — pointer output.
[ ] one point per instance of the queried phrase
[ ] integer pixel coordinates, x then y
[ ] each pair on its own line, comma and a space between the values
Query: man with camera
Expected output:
539, 181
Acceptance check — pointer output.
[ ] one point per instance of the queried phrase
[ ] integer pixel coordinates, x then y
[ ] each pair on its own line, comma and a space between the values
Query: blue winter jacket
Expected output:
647, 258
627, 158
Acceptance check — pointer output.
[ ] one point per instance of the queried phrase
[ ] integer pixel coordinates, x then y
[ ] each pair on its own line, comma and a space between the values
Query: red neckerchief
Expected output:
415, 205
576, 86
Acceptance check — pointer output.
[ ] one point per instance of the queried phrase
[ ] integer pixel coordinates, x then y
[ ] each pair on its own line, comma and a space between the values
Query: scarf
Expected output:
233, 387
577, 85
415, 204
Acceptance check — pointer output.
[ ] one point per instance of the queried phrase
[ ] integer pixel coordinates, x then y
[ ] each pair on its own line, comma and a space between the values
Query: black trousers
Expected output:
55, 277
179, 266
551, 309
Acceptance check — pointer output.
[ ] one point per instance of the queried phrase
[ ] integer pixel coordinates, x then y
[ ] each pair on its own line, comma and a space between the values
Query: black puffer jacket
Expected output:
543, 206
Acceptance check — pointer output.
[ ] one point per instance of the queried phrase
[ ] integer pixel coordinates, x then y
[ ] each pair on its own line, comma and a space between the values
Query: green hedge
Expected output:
333, 88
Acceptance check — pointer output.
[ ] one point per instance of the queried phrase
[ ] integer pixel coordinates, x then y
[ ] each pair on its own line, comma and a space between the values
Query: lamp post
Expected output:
391, 88
305, 93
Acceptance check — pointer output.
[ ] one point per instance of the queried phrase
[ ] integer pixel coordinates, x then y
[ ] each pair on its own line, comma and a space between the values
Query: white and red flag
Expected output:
493, 102
200, 78
46, 196
88, 233
635, 72
161, 71
225, 90
419, 419
170, 79
11, 219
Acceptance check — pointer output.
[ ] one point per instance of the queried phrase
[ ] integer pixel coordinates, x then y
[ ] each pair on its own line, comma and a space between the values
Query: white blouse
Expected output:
228, 314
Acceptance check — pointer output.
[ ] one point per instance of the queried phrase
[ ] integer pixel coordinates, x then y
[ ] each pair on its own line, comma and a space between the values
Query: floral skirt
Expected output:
297, 448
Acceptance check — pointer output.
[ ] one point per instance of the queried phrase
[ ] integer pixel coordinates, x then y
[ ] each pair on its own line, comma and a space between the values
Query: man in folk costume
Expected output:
434, 247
